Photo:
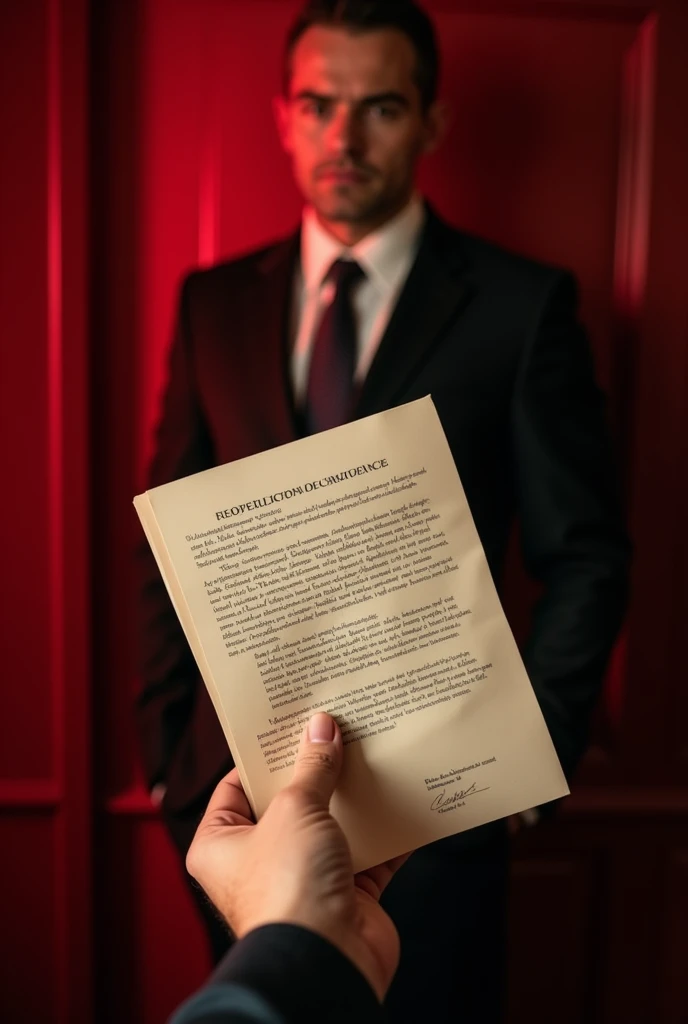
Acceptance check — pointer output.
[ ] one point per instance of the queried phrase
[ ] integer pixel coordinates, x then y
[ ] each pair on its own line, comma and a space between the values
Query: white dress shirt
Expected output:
385, 256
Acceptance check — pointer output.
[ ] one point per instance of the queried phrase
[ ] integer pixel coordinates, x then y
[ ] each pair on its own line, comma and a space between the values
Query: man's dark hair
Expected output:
367, 16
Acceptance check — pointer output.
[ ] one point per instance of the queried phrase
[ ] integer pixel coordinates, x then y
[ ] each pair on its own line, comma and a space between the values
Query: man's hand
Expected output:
295, 866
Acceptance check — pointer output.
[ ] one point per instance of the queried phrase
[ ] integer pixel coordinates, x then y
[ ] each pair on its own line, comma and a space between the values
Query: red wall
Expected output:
46, 725
137, 142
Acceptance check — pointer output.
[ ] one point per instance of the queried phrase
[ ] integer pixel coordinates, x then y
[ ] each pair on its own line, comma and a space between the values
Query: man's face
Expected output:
353, 124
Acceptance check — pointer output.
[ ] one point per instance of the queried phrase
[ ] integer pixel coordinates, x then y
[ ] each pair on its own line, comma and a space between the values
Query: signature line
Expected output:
441, 800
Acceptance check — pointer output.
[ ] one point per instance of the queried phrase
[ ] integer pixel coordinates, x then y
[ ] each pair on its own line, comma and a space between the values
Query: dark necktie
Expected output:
330, 394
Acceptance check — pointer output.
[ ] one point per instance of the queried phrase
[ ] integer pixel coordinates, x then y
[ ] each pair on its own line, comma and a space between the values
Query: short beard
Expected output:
377, 209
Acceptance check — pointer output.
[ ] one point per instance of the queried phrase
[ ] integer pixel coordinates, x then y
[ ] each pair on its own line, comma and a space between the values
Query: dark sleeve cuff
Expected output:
301, 974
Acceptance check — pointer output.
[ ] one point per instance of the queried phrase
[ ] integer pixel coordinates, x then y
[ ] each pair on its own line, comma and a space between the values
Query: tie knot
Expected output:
344, 274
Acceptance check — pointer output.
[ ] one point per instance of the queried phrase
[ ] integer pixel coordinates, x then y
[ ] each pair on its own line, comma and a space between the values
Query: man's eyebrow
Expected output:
309, 94
366, 101
385, 97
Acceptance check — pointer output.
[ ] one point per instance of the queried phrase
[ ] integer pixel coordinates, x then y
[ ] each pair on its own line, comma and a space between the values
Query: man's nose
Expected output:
344, 135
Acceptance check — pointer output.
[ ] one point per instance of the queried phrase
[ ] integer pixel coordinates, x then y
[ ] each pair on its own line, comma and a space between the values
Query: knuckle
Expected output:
191, 860
320, 759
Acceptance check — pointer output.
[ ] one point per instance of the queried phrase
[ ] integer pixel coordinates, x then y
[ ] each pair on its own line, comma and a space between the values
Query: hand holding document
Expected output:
343, 573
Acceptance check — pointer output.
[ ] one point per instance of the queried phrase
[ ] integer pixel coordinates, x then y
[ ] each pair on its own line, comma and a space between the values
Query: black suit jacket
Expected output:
493, 338
283, 974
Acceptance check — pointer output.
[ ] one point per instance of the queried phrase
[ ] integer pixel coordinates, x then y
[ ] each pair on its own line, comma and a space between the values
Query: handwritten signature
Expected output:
442, 800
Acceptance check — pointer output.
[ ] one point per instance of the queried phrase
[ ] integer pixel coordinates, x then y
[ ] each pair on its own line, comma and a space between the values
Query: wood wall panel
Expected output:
116, 154
29, 988
152, 950
673, 976
26, 741
671, 172
554, 903
531, 159
629, 938
610, 944
259, 200
45, 725
657, 491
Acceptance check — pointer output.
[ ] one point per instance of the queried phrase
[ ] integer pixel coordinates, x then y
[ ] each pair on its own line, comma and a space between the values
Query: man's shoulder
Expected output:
239, 270
487, 260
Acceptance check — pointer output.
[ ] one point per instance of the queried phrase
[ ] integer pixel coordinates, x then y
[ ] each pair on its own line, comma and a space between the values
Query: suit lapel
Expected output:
271, 327
436, 290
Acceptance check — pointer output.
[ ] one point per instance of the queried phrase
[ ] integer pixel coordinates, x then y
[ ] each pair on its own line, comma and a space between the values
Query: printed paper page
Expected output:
344, 573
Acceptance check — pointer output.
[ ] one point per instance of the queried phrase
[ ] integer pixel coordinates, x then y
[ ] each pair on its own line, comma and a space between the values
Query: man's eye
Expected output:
314, 108
384, 112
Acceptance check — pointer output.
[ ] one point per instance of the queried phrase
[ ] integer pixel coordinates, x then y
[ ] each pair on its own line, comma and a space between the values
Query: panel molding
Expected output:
607, 10
30, 794
55, 356
210, 150
627, 802
134, 802
673, 980
635, 172
68, 479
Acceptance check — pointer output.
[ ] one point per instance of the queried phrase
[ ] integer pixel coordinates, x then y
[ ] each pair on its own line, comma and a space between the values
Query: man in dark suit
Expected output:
373, 303
314, 943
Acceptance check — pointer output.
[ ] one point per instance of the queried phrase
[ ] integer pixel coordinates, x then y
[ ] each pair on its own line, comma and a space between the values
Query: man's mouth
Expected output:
343, 175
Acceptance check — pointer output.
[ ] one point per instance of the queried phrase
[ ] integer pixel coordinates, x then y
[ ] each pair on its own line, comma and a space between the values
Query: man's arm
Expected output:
279, 974
169, 673
314, 944
572, 533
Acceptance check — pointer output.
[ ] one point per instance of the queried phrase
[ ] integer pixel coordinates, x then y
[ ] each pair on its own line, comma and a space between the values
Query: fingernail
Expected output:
321, 728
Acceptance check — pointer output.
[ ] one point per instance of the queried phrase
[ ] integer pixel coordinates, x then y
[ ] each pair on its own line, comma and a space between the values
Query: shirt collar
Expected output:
384, 254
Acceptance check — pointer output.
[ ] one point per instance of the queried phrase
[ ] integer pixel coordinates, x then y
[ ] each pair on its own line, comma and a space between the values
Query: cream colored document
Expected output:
344, 573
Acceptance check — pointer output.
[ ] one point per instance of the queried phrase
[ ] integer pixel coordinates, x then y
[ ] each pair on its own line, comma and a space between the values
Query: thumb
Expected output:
319, 760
